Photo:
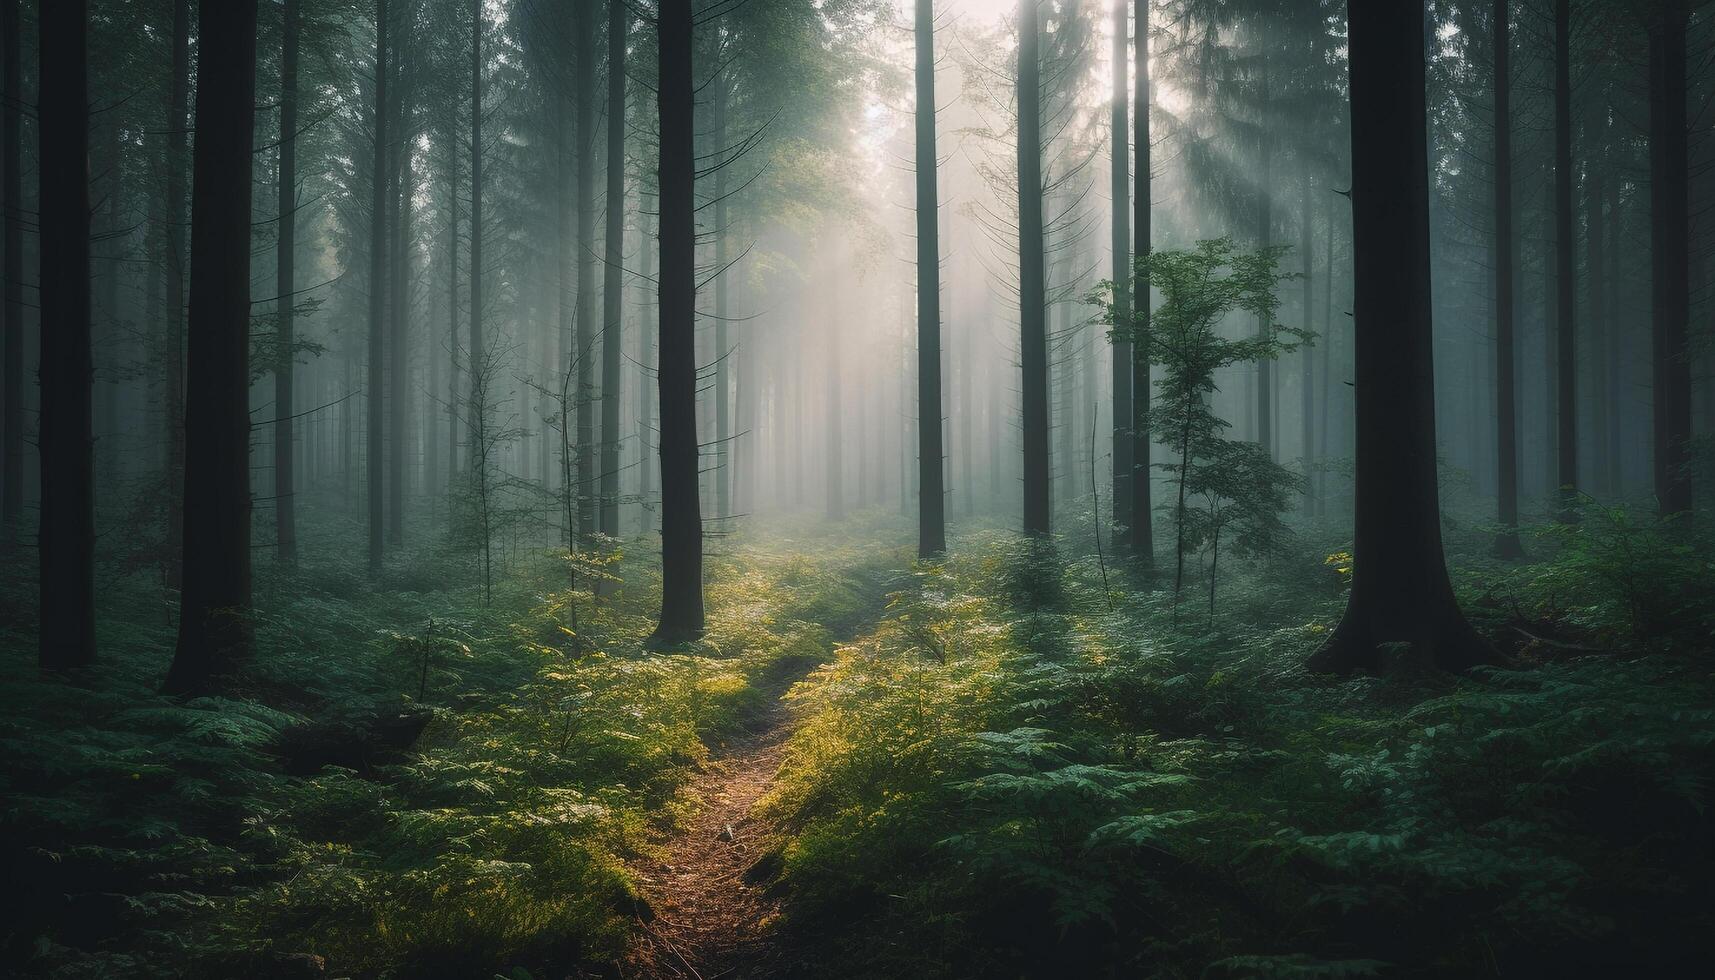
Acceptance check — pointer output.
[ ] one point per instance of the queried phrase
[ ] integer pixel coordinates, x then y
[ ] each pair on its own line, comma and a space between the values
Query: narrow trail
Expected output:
709, 921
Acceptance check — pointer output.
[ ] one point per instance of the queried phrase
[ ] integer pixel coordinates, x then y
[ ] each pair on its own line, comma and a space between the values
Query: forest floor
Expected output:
711, 901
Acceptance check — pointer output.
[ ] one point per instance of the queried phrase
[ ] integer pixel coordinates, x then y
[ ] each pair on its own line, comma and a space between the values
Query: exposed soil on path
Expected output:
709, 920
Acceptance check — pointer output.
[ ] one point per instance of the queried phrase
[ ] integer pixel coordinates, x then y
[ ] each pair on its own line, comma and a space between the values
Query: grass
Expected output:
149, 835
1010, 777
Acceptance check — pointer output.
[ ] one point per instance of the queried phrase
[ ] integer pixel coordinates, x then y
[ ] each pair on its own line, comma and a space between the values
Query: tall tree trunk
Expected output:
178, 170
722, 470
1670, 254
1142, 505
834, 448
285, 253
645, 359
931, 510
613, 288
583, 35
681, 516
12, 200
1566, 275
214, 618
1506, 252
476, 362
67, 541
377, 293
1400, 591
1595, 261
452, 389
1264, 238
1033, 300
398, 288
1120, 190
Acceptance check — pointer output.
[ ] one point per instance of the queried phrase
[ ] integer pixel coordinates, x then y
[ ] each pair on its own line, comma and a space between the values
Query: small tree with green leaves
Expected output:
1220, 485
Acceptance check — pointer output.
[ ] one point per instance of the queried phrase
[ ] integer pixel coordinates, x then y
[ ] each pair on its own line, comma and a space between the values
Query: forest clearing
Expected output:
776, 489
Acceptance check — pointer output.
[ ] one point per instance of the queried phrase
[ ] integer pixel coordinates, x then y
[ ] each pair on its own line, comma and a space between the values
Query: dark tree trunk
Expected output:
1033, 300
477, 367
1264, 238
452, 314
1142, 509
377, 293
398, 288
1595, 263
178, 171
1670, 254
931, 510
1400, 591
834, 448
645, 358
1506, 252
681, 516
214, 618
613, 288
12, 200
67, 542
721, 472
583, 34
285, 526
1120, 189
1566, 277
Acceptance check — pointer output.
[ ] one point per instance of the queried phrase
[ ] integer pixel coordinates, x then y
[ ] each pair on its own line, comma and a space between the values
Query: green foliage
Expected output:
154, 836
1072, 791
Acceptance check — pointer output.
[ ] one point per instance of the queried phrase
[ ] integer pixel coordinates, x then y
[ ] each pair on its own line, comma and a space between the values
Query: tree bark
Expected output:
722, 469
1033, 302
476, 364
583, 35
67, 536
1400, 591
398, 288
1670, 254
12, 200
1120, 190
1506, 252
452, 314
1142, 506
178, 169
613, 288
931, 509
1566, 276
376, 404
681, 516
214, 616
285, 254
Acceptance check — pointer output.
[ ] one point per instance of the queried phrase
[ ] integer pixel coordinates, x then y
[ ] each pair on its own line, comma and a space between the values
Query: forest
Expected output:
763, 489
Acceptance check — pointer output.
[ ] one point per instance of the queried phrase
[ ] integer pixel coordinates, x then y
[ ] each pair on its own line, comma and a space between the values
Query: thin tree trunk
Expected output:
1033, 303
1506, 250
931, 509
1566, 277
398, 289
645, 358
722, 469
583, 39
67, 539
1142, 506
178, 169
681, 516
11, 199
377, 292
452, 388
1264, 238
1120, 190
214, 619
1400, 590
476, 359
612, 331
1595, 277
285, 252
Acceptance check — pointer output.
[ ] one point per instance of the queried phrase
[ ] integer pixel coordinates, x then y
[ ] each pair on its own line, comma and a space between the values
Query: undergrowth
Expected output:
1021, 773
247, 833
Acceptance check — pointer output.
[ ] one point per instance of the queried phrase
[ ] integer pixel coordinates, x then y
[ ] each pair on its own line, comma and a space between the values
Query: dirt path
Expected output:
708, 920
